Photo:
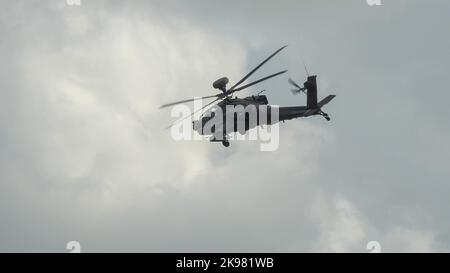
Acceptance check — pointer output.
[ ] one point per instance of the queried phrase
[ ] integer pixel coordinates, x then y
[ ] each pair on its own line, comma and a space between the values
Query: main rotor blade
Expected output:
188, 100
293, 83
256, 68
258, 81
180, 120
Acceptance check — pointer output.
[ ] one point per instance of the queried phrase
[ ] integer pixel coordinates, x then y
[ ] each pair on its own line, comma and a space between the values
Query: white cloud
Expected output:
401, 239
341, 225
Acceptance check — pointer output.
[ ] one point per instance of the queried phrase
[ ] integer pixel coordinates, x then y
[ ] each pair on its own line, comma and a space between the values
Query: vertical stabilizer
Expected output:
311, 87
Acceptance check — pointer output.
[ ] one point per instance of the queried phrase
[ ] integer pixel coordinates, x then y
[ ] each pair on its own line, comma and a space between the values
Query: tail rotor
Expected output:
297, 89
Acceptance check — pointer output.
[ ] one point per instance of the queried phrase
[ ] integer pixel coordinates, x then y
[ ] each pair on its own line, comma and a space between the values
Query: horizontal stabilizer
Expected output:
326, 100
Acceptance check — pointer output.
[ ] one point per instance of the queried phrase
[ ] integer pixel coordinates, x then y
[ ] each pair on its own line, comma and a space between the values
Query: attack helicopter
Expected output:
224, 99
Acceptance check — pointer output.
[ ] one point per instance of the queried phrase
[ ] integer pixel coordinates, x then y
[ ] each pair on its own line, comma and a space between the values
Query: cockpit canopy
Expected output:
211, 112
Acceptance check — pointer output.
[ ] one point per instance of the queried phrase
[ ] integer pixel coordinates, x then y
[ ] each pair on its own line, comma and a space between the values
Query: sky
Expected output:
84, 156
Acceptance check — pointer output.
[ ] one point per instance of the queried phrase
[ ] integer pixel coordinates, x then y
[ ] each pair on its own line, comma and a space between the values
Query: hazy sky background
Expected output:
84, 157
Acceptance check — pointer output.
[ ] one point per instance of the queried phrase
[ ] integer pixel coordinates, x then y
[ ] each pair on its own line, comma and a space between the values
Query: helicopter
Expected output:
224, 100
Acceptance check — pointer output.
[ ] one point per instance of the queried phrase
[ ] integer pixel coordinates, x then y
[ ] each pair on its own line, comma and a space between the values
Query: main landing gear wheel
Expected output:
226, 143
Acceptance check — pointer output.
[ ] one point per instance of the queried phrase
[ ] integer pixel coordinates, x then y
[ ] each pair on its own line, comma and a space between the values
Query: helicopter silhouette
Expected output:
223, 100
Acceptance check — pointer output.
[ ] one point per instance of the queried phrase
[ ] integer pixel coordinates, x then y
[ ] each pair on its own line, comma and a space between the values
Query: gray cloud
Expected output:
84, 157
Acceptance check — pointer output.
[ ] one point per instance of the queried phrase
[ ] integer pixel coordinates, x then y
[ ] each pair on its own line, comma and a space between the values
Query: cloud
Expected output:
342, 229
84, 156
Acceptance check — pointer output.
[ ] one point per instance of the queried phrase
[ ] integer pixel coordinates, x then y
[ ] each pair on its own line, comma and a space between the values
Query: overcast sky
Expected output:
84, 156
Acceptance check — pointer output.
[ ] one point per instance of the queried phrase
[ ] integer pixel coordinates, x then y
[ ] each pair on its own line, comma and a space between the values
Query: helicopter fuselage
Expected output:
237, 110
